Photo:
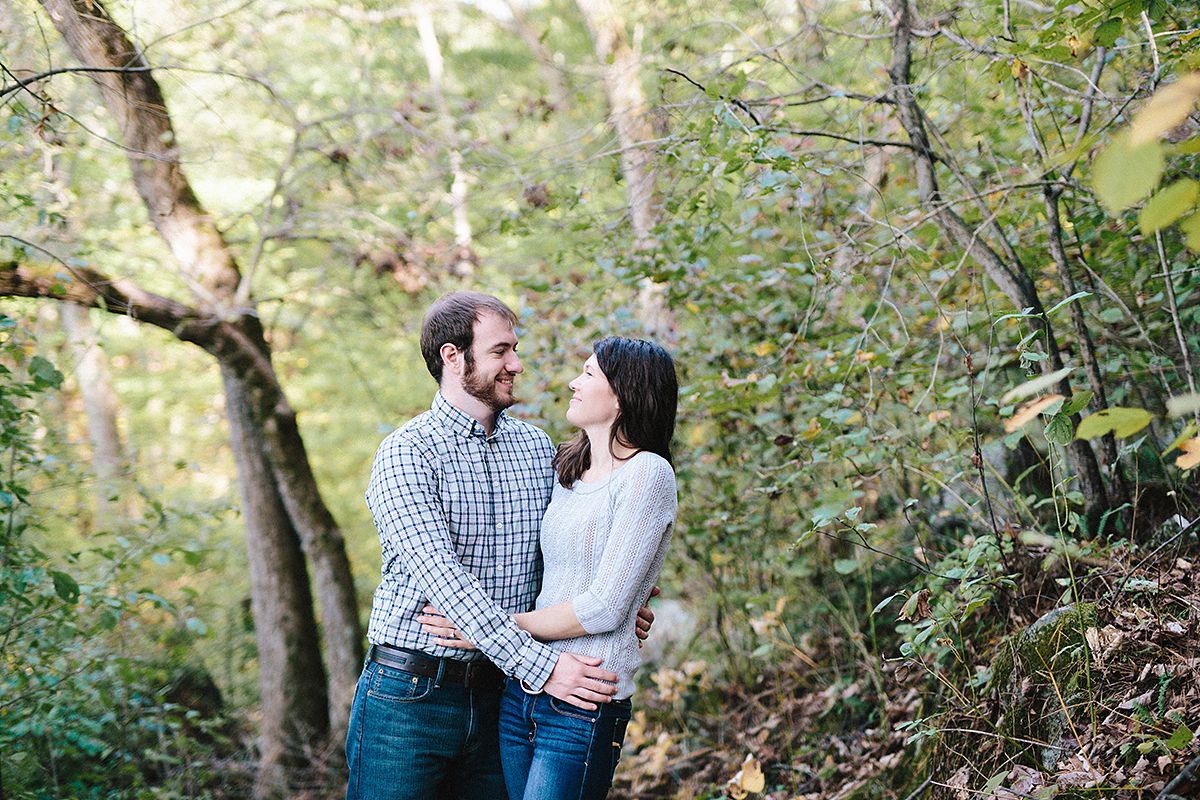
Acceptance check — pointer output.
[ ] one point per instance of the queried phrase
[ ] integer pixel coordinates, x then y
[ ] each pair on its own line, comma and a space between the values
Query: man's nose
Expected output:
514, 364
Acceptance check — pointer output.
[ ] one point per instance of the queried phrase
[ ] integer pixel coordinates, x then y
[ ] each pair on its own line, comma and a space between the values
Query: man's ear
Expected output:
451, 357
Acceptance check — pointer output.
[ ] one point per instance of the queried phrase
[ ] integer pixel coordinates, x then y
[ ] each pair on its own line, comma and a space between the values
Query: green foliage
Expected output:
81, 709
846, 367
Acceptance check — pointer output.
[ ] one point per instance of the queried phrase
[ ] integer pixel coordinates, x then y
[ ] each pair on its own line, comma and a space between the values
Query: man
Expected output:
457, 495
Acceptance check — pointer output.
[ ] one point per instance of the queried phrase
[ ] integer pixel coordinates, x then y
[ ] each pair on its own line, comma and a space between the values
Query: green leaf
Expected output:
65, 586
1107, 33
1070, 299
1123, 174
1035, 386
1168, 205
993, 783
1121, 421
1181, 738
1077, 403
884, 603
44, 374
845, 566
1058, 429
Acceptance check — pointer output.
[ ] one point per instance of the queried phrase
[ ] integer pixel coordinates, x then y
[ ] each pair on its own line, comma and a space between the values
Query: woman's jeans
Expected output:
552, 750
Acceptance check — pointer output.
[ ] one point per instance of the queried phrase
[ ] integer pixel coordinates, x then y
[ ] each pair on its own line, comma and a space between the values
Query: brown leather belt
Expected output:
479, 674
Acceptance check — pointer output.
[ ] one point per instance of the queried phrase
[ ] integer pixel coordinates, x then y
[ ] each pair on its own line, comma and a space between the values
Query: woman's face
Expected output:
593, 402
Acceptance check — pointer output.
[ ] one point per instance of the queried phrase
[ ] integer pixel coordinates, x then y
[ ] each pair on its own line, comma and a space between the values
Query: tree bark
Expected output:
464, 256
1051, 195
627, 106
550, 71
99, 402
291, 677
234, 335
1009, 275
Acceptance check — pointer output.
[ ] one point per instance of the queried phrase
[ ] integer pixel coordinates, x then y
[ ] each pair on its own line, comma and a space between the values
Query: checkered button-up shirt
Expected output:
458, 515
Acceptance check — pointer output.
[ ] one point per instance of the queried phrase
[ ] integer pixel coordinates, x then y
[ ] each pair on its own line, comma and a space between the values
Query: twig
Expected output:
920, 789
852, 139
1172, 305
736, 101
1153, 50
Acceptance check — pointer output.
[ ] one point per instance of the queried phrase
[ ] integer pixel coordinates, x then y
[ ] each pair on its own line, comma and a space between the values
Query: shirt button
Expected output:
499, 568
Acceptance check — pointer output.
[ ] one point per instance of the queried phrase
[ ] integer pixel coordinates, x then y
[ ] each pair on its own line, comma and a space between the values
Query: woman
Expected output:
603, 540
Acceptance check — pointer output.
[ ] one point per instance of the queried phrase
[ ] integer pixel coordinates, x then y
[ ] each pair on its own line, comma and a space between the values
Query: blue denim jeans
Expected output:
552, 750
411, 739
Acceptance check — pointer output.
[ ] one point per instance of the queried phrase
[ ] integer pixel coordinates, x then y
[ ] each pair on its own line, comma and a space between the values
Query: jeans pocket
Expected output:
398, 686
618, 741
565, 709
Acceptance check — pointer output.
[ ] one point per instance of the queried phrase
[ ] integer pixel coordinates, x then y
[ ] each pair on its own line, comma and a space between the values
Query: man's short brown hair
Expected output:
451, 319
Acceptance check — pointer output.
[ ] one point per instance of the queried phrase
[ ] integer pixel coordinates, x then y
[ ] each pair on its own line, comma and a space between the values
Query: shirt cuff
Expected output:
535, 662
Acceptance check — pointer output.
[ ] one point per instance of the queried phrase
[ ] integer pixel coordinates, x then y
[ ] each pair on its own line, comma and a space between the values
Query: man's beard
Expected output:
484, 390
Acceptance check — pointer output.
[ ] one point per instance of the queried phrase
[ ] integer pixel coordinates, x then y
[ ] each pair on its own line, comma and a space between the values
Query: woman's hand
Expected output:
436, 624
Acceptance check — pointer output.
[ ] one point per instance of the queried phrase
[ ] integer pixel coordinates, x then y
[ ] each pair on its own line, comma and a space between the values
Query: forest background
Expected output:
925, 269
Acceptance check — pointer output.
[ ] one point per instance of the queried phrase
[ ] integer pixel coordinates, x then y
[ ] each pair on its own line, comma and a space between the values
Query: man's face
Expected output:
492, 363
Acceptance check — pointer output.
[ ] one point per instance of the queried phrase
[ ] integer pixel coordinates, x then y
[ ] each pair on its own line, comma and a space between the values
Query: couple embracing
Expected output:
504, 632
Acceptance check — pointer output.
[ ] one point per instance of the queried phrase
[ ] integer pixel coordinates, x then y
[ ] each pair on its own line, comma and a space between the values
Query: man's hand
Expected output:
580, 681
645, 618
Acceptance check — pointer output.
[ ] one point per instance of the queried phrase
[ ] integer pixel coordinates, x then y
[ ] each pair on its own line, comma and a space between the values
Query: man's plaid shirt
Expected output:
458, 516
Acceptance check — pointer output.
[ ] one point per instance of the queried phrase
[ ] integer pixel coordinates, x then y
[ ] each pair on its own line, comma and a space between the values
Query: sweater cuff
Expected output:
590, 611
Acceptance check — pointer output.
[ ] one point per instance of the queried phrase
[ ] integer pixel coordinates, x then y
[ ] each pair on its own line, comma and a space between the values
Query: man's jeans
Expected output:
551, 749
411, 739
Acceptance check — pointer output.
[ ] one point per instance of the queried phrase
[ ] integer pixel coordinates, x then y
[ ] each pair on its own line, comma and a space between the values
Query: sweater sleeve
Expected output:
643, 514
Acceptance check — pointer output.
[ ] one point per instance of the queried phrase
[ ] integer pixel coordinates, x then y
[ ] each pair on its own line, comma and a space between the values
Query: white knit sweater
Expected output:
603, 546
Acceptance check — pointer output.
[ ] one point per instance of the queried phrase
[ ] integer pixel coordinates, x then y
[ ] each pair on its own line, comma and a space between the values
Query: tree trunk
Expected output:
291, 677
135, 100
464, 254
552, 73
627, 106
99, 403
1009, 275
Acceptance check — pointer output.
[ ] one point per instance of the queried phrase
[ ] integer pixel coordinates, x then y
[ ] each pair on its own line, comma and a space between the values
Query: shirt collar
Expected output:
463, 423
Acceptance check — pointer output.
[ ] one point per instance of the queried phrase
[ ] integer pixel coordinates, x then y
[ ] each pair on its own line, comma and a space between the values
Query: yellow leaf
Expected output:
813, 430
1189, 432
1169, 107
765, 349
1120, 421
939, 415
1168, 205
1030, 410
1190, 456
1019, 69
1191, 229
1124, 173
748, 779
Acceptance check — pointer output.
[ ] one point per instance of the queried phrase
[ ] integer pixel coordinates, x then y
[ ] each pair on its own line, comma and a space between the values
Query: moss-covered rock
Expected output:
1037, 673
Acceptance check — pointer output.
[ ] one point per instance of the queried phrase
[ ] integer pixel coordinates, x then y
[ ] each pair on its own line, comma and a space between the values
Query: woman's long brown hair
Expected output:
642, 376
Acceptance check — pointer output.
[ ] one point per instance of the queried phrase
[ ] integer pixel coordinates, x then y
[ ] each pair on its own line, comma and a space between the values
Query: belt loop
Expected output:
441, 671
371, 653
